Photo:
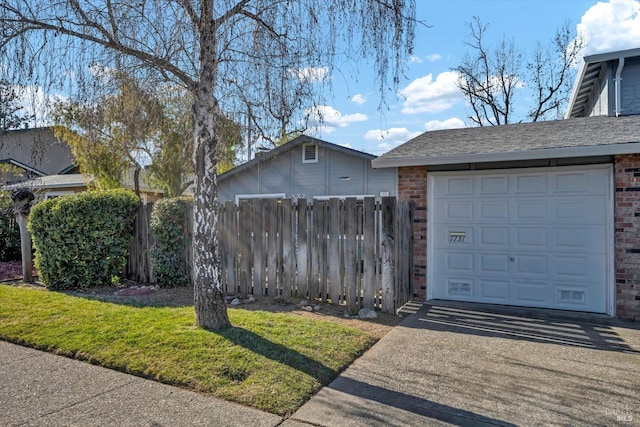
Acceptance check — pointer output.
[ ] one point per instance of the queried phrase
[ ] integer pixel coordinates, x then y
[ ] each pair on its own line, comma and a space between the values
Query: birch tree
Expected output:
213, 49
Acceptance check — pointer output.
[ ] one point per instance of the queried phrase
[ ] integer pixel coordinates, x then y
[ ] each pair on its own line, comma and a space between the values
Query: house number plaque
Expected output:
457, 236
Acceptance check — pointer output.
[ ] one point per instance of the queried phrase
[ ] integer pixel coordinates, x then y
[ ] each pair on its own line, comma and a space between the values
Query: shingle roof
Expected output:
560, 138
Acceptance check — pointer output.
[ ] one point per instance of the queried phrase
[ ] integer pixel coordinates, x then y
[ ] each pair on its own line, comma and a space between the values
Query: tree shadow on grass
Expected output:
279, 353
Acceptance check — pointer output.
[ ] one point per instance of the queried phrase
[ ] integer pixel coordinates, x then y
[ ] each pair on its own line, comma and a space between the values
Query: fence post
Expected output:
258, 247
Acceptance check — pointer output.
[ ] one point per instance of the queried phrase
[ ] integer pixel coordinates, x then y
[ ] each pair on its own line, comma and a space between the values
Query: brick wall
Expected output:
412, 185
627, 246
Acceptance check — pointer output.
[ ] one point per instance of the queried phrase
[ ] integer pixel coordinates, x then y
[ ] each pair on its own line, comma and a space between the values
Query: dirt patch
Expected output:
12, 270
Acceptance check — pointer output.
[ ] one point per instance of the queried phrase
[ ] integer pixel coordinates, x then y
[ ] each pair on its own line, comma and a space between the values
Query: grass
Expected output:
270, 361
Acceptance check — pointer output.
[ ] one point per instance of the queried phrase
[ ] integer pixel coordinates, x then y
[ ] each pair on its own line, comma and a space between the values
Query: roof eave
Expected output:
576, 87
546, 153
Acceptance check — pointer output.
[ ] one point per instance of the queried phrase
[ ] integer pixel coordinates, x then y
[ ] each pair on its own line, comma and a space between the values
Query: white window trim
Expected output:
259, 196
315, 147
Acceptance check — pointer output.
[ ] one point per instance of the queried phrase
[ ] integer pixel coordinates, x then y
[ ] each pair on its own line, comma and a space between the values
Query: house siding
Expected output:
336, 173
412, 185
627, 242
630, 89
600, 106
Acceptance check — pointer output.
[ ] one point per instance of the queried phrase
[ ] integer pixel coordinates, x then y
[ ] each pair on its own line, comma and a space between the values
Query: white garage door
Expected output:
537, 238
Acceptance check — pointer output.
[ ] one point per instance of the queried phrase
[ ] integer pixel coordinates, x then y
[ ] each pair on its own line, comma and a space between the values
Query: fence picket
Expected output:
334, 252
369, 283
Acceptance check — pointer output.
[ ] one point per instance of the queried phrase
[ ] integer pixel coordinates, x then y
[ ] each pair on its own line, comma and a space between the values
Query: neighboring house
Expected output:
48, 165
37, 151
307, 168
542, 214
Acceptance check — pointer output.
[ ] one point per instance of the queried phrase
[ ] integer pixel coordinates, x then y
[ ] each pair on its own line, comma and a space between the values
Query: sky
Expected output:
428, 99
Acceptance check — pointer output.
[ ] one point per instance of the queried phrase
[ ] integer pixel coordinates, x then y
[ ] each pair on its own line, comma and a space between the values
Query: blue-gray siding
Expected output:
335, 174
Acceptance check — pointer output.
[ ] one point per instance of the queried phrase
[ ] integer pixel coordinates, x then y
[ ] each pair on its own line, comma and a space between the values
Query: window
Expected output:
309, 153
53, 194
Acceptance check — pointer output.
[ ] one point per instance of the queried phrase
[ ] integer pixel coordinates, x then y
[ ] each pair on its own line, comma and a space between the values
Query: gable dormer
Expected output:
608, 84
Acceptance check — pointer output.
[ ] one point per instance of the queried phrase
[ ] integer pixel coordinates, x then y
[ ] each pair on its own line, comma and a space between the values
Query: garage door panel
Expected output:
493, 210
493, 289
530, 292
580, 182
581, 268
589, 238
531, 183
535, 239
459, 262
494, 263
493, 185
527, 210
494, 237
579, 210
531, 265
459, 186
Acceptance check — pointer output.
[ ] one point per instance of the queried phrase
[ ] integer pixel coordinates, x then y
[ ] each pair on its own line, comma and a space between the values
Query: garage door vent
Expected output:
572, 296
457, 288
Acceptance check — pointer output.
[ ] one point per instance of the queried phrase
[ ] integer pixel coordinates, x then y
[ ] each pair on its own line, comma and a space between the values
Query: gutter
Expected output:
543, 153
617, 85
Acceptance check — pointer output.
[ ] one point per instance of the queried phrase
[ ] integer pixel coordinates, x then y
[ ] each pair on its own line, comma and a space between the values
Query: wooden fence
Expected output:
353, 252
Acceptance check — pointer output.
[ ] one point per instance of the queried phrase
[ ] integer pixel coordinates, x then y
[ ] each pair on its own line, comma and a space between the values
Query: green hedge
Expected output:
168, 227
82, 240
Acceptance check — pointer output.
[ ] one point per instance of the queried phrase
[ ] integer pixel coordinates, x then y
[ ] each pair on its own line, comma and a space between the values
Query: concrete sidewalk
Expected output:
41, 389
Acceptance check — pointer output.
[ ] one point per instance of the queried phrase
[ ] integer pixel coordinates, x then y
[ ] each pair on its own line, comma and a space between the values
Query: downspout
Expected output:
617, 85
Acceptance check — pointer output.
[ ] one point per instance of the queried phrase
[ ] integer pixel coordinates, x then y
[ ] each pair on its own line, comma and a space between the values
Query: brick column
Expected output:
627, 213
412, 185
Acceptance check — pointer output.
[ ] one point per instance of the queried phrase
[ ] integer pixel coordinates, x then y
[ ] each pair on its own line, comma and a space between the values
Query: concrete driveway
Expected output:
463, 364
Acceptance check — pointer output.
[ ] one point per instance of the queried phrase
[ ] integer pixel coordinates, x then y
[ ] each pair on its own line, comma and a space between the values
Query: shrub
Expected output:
82, 240
168, 226
9, 231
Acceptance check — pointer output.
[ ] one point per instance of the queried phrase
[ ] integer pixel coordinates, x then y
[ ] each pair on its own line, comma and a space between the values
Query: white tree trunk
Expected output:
211, 311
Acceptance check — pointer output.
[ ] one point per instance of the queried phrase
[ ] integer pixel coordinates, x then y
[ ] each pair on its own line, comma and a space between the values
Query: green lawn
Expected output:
271, 361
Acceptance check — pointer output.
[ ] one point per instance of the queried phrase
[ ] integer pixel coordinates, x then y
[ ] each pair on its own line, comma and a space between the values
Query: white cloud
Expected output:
391, 137
431, 58
452, 123
347, 145
359, 98
426, 95
326, 119
37, 103
310, 74
611, 26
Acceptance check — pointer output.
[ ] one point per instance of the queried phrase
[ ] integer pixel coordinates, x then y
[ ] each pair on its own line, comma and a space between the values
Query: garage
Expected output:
538, 237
